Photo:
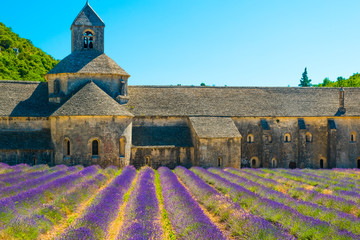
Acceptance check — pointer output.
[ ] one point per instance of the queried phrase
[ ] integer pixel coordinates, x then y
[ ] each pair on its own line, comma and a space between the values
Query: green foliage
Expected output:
305, 81
30, 64
352, 81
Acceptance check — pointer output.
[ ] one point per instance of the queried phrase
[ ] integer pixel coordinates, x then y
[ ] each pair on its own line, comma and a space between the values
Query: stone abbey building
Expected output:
87, 114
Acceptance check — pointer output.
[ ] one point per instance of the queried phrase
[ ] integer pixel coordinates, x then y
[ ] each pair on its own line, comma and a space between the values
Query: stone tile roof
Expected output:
178, 136
241, 101
24, 99
90, 100
214, 127
13, 140
88, 62
88, 17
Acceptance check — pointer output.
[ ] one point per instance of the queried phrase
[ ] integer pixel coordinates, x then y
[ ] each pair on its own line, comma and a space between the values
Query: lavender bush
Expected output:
104, 209
186, 216
142, 216
240, 222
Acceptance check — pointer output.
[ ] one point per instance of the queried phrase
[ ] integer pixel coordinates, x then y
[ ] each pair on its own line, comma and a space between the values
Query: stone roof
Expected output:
178, 136
214, 127
90, 100
88, 17
241, 101
88, 62
16, 140
24, 99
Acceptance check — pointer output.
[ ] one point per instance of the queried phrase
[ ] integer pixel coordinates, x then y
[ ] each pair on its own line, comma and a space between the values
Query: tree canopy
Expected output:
305, 81
20, 59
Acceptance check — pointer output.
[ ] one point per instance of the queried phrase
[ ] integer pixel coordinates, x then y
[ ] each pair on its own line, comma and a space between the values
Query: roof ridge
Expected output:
20, 81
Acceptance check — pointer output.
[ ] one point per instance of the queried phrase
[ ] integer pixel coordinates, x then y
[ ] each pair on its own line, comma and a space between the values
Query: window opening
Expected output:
122, 146
56, 86
274, 163
67, 147
353, 137
292, 165
250, 138
88, 40
95, 148
147, 160
219, 161
321, 163
287, 137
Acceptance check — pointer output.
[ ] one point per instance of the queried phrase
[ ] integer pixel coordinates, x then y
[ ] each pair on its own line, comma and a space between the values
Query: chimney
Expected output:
342, 109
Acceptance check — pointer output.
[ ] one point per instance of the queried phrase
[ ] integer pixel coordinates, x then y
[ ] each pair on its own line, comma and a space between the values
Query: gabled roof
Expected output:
214, 127
88, 62
241, 101
88, 17
91, 101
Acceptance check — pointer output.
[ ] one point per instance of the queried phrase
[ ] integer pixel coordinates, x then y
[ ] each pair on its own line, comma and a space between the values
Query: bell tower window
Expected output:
88, 40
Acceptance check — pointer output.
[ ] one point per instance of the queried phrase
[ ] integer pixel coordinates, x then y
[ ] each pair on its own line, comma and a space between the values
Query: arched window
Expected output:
254, 162
321, 163
88, 40
56, 86
287, 137
292, 165
95, 148
219, 163
353, 137
147, 160
122, 146
309, 137
273, 163
250, 138
67, 147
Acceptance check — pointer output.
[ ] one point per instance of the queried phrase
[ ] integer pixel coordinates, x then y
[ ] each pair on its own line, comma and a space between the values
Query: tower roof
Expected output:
88, 62
88, 17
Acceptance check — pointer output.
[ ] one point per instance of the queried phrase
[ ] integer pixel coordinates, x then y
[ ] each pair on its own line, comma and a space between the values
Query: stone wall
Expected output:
157, 156
81, 131
31, 157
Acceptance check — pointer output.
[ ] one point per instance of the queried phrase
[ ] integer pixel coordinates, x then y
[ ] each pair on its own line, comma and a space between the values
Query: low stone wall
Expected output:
31, 157
156, 156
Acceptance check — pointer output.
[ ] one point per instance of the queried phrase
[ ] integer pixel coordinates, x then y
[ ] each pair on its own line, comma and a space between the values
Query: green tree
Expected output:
305, 81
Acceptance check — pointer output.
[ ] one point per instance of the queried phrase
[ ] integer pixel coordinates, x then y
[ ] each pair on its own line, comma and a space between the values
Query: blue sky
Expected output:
217, 42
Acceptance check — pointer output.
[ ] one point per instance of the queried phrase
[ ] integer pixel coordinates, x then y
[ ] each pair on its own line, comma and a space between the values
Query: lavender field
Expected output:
79, 203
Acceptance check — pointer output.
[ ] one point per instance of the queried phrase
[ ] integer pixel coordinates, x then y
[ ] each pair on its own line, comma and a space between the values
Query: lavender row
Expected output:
32, 183
301, 226
341, 220
142, 216
289, 183
29, 201
187, 218
240, 222
43, 220
93, 224
22, 177
327, 200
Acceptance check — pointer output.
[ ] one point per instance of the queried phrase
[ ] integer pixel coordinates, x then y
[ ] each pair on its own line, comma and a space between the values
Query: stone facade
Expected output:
87, 114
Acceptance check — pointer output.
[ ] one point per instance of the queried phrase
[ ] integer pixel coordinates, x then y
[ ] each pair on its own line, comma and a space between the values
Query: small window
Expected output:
273, 163
250, 138
308, 137
321, 163
95, 148
267, 138
358, 163
88, 40
67, 147
219, 162
287, 137
353, 137
147, 160
56, 86
292, 165
122, 146
254, 162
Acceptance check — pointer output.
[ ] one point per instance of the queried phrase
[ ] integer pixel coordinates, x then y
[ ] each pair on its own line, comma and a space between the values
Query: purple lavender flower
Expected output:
185, 214
240, 222
142, 216
104, 209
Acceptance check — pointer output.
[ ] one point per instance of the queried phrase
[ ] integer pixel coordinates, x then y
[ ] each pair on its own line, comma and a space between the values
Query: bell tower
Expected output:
87, 31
